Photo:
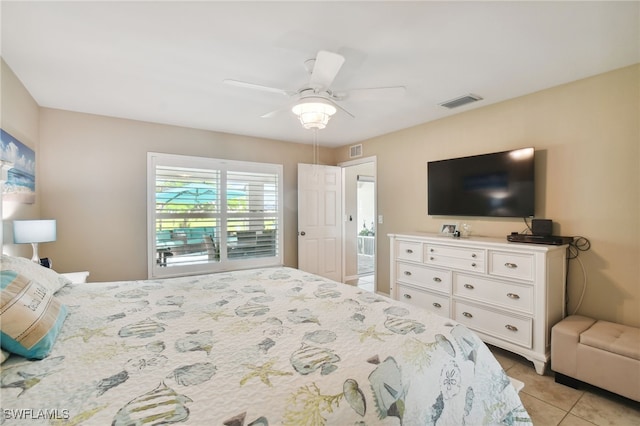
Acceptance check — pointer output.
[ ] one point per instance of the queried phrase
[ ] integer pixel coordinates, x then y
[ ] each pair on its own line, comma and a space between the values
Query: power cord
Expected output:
575, 247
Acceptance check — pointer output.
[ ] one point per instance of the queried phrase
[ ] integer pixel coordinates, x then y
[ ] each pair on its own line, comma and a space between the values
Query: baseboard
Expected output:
350, 278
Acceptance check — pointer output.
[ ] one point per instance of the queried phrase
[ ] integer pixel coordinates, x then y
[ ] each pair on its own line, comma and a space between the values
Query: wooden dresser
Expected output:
510, 294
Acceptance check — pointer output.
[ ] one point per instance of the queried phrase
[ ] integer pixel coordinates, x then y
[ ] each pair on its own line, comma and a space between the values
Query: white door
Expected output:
319, 224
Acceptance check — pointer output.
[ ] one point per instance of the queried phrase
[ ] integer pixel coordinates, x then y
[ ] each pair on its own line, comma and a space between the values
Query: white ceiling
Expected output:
165, 62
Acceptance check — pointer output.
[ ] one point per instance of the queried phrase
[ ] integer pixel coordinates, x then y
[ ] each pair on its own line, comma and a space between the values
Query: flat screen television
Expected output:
499, 184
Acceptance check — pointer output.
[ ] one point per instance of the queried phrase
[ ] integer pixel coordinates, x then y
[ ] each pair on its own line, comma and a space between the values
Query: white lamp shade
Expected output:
34, 231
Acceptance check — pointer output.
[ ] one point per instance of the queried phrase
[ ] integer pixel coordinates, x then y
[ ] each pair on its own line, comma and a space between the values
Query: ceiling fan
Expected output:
316, 102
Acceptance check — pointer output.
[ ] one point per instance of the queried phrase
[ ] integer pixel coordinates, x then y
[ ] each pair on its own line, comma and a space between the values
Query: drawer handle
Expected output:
437, 279
437, 305
474, 255
513, 296
407, 273
409, 251
511, 265
469, 287
431, 258
511, 327
473, 264
406, 296
431, 250
467, 314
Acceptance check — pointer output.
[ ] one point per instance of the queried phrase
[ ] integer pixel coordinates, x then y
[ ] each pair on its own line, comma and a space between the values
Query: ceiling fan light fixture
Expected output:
314, 112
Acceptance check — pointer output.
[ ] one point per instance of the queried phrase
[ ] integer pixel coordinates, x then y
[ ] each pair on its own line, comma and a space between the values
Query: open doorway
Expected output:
359, 254
366, 211
366, 237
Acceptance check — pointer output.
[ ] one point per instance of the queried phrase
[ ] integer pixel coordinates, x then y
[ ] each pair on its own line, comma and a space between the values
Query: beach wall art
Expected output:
20, 162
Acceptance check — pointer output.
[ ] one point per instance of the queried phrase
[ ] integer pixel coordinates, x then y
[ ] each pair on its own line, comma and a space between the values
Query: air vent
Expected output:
462, 100
355, 151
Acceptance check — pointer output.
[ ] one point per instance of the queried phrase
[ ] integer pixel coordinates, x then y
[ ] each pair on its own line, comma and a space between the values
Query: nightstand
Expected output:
77, 277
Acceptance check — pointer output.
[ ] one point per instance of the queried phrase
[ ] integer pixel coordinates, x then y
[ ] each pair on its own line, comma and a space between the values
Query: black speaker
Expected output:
542, 227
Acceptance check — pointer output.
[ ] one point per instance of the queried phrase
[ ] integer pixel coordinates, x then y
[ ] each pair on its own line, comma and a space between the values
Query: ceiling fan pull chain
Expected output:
316, 152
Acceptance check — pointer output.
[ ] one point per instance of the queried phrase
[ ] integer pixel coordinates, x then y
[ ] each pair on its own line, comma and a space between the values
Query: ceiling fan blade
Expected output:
254, 86
325, 69
273, 113
341, 108
282, 109
372, 92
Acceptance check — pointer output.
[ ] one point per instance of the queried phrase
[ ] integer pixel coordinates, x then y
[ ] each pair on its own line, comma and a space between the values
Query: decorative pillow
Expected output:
4, 355
43, 276
30, 316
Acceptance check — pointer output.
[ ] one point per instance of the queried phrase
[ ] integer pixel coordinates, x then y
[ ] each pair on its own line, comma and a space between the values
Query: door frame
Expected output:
344, 165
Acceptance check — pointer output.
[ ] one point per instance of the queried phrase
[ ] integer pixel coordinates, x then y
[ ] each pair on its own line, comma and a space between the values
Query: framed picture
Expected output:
449, 229
18, 161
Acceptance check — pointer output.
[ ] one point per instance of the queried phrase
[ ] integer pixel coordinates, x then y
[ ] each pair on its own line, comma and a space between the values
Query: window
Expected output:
207, 215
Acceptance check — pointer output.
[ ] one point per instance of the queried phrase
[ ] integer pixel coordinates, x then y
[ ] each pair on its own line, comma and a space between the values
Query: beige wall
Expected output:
94, 184
20, 114
587, 138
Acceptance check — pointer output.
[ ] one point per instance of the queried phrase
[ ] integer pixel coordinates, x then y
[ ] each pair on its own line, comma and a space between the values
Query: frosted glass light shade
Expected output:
314, 112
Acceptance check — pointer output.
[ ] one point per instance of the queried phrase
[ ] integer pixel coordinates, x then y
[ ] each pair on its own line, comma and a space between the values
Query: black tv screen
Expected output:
500, 184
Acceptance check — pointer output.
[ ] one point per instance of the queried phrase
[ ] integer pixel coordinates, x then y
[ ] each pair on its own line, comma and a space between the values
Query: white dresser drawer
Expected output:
423, 276
409, 250
511, 265
454, 262
506, 327
457, 252
512, 296
432, 302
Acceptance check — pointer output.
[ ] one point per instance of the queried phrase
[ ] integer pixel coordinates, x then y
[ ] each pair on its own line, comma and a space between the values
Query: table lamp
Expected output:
34, 232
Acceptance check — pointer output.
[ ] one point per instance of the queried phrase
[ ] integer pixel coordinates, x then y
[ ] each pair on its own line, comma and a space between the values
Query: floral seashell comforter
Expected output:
274, 346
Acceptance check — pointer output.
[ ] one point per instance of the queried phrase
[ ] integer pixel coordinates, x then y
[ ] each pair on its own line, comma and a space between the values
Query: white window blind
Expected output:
210, 215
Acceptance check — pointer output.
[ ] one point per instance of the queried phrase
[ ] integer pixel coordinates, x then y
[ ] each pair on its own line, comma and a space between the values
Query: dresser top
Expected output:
476, 241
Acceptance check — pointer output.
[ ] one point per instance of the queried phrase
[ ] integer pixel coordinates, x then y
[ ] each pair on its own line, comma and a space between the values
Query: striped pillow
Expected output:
30, 316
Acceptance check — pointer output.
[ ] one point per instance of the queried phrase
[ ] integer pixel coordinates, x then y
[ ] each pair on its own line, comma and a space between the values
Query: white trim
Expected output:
362, 160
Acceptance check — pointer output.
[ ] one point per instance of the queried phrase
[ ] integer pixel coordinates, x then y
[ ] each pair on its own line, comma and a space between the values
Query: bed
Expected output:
272, 346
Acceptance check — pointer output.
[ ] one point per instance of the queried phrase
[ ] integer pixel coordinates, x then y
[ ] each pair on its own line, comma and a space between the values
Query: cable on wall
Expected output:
575, 247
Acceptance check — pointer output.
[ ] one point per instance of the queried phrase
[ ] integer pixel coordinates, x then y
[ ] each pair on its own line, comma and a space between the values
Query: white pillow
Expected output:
43, 276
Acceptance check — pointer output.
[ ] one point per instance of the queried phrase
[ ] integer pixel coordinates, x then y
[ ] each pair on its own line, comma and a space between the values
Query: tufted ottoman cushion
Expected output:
611, 337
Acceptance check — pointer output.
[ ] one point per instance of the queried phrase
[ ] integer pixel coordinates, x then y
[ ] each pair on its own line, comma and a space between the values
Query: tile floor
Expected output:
550, 403
366, 264
367, 282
